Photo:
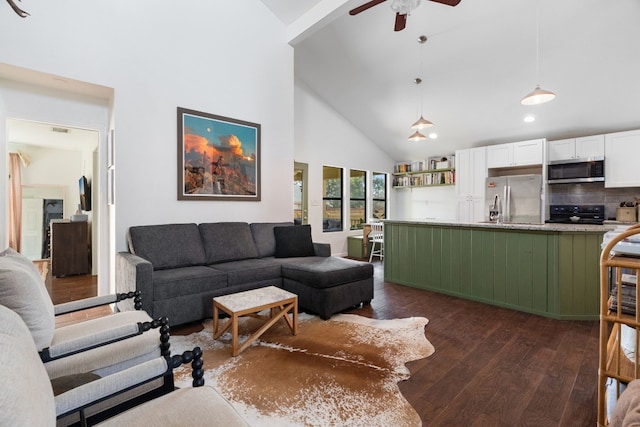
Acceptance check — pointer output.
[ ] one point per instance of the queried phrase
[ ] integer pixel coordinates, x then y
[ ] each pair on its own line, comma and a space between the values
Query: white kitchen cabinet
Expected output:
576, 148
622, 151
471, 172
523, 153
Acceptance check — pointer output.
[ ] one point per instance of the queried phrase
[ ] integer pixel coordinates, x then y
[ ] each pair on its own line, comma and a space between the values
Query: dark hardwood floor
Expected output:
491, 367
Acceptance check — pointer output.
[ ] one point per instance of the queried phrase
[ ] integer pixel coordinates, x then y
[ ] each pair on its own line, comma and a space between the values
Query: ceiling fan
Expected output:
401, 7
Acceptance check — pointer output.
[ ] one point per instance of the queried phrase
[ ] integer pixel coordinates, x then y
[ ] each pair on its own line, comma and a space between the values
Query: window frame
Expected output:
362, 199
384, 200
325, 199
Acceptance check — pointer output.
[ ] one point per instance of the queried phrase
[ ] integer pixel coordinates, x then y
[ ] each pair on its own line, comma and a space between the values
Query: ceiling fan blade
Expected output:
448, 2
401, 22
365, 6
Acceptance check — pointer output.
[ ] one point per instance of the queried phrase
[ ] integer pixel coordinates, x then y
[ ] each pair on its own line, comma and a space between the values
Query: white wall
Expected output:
324, 138
229, 58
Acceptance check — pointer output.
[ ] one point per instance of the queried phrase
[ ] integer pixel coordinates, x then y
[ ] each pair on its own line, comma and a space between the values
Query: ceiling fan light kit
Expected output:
402, 8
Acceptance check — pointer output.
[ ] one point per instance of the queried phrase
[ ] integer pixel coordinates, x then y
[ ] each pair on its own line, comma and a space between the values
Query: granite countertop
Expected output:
515, 226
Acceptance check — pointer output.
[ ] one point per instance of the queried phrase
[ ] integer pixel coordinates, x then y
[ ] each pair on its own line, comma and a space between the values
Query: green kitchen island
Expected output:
546, 269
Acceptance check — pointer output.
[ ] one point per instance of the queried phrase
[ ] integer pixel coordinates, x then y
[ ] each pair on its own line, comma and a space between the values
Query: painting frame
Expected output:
218, 157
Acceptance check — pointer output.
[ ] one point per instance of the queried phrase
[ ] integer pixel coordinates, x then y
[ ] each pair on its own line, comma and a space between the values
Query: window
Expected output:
332, 199
379, 195
357, 199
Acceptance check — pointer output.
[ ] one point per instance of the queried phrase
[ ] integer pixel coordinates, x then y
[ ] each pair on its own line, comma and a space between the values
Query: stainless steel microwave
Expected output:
576, 170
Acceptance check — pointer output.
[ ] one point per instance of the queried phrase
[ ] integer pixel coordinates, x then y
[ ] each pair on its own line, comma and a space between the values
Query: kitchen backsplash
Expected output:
592, 194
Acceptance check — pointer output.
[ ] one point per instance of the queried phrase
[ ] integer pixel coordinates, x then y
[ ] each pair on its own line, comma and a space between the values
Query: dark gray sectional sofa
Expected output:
180, 267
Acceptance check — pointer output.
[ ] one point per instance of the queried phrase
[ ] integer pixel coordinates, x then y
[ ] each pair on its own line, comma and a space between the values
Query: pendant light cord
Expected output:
538, 42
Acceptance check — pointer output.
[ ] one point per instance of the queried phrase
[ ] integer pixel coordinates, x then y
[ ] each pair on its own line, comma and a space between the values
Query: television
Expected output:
85, 194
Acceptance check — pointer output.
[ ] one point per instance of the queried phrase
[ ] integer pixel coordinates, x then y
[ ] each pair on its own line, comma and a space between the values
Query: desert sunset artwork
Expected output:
219, 156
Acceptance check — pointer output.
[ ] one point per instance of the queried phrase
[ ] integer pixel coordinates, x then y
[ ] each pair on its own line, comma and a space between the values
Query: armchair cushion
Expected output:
106, 359
23, 291
22, 375
184, 407
293, 241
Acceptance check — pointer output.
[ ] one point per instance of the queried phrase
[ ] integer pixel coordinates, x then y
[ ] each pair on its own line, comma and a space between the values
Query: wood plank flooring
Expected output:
492, 366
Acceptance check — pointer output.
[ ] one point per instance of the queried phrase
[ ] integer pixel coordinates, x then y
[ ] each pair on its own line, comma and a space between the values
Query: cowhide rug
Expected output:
340, 372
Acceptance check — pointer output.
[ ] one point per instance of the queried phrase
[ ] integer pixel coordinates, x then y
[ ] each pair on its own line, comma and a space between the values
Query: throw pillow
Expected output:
293, 241
23, 291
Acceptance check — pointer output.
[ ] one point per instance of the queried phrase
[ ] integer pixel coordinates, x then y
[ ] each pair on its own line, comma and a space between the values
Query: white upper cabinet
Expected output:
576, 148
523, 153
622, 151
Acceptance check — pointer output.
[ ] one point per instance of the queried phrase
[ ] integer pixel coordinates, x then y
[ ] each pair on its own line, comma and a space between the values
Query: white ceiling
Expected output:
25, 132
479, 61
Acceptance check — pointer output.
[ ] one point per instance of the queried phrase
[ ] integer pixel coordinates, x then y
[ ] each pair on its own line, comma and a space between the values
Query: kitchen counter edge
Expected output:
569, 228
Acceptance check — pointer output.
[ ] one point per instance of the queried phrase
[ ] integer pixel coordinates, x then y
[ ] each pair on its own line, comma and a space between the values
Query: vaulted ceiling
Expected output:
478, 62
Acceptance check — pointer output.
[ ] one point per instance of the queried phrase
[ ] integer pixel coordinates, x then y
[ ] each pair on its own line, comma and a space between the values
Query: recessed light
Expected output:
530, 119
433, 135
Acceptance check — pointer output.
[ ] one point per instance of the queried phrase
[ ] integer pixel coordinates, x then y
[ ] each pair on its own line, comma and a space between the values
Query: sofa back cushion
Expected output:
293, 241
264, 237
227, 241
23, 291
167, 245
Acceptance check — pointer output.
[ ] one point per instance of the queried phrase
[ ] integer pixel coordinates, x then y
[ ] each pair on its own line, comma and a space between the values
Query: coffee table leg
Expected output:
234, 335
215, 320
295, 317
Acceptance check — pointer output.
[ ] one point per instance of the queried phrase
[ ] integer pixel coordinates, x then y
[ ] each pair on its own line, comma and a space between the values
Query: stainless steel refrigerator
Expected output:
518, 198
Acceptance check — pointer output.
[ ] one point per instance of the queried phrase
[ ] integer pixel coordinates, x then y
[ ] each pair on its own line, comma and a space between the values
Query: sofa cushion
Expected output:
249, 271
264, 237
227, 241
23, 291
293, 241
326, 272
178, 282
167, 245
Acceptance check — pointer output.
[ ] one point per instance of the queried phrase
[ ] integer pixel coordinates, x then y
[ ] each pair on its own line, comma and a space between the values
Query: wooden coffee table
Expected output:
249, 303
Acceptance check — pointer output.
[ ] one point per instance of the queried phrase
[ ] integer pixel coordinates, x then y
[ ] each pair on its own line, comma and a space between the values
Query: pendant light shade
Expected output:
538, 96
417, 136
421, 123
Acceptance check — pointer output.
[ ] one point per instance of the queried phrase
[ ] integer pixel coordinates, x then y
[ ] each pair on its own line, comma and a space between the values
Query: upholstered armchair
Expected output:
78, 348
27, 396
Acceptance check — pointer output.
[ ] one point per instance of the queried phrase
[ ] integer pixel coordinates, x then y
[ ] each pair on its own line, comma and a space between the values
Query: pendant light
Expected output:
421, 123
538, 96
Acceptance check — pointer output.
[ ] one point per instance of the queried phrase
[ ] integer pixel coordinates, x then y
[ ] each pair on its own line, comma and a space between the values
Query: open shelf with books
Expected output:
435, 171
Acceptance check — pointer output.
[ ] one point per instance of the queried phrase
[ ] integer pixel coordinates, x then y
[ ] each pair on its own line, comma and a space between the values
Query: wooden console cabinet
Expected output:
69, 248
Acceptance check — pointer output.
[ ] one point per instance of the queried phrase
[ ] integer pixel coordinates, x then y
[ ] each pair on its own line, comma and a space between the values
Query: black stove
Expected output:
581, 214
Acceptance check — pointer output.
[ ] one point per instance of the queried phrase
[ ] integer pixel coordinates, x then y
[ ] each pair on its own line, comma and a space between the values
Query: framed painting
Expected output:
218, 157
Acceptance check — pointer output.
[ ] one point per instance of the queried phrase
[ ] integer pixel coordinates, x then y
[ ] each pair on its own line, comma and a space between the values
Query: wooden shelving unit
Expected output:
619, 321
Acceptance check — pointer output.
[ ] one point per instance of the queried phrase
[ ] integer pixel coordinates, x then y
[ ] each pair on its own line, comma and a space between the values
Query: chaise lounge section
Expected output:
179, 268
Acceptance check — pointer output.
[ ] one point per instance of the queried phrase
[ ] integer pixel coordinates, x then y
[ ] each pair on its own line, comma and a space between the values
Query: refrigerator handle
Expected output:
507, 204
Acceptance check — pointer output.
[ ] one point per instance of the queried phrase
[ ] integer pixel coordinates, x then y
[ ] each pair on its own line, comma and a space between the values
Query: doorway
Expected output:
58, 156
300, 199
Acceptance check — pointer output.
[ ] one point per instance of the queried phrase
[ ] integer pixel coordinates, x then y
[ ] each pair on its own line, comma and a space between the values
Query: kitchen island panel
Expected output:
578, 288
541, 270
